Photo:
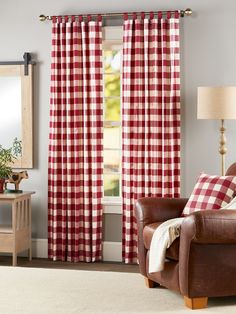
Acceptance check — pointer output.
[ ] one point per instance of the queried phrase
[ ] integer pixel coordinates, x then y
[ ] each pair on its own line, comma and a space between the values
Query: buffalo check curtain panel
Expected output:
151, 116
150, 135
75, 144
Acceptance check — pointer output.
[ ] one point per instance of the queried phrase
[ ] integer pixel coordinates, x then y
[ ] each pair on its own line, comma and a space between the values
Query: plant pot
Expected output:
2, 181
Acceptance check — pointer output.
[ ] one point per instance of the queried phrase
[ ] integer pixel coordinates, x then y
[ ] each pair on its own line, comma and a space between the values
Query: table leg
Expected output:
30, 253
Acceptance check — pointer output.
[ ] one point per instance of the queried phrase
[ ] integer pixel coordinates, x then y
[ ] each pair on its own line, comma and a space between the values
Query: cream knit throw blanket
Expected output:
162, 239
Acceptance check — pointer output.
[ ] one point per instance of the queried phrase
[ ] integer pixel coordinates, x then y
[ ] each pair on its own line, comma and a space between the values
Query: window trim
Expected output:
112, 34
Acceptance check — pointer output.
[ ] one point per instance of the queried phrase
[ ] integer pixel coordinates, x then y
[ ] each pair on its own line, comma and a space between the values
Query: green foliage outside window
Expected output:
112, 85
111, 185
112, 113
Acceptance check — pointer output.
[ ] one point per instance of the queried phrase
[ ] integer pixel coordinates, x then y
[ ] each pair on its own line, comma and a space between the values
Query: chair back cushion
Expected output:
210, 193
231, 171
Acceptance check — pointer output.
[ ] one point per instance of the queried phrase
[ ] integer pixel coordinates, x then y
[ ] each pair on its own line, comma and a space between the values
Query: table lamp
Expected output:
217, 103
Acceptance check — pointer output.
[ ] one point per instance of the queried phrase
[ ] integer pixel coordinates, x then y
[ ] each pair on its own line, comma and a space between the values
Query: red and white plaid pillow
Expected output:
210, 192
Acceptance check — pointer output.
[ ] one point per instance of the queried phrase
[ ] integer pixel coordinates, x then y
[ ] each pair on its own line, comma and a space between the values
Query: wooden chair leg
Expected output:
149, 283
196, 303
14, 259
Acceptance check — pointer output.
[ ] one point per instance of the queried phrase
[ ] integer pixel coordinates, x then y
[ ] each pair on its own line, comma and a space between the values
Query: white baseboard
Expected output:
112, 251
40, 248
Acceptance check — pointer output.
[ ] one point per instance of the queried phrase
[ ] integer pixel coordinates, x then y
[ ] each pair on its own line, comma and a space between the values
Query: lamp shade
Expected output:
216, 102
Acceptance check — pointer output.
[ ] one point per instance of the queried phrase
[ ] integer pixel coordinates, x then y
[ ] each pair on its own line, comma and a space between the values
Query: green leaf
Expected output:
7, 157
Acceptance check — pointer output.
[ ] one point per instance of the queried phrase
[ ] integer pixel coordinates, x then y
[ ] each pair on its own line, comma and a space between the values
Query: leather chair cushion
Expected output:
172, 252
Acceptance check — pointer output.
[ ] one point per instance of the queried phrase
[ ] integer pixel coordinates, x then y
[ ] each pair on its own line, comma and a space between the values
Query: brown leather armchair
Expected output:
199, 264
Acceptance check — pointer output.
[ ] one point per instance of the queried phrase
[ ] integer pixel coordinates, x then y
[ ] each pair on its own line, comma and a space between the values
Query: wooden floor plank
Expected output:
46, 263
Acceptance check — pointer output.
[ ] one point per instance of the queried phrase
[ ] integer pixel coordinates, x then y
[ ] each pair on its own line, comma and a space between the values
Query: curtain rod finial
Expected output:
42, 17
188, 12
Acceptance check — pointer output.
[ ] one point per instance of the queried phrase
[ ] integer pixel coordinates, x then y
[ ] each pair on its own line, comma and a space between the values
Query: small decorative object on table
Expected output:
7, 157
15, 178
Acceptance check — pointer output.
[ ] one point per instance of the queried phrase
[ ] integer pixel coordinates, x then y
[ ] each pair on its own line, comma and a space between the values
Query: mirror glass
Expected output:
10, 108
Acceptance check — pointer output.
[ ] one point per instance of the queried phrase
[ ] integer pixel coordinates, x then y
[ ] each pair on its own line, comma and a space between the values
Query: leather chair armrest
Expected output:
213, 227
153, 209
199, 230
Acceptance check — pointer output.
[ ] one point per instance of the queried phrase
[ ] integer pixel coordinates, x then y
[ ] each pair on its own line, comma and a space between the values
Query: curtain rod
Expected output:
183, 13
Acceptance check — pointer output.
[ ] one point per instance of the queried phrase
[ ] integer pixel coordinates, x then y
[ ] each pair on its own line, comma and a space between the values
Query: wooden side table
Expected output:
17, 237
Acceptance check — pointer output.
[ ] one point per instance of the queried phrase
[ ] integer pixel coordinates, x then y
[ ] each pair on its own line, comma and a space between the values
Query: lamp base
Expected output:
222, 149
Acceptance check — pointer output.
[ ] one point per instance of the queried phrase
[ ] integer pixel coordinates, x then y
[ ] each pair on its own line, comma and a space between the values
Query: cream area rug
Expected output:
35, 290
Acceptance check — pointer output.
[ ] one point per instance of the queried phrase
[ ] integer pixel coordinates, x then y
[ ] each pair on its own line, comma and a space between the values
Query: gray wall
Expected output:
208, 44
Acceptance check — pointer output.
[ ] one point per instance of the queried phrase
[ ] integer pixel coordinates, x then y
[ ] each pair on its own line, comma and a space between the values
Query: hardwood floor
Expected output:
46, 263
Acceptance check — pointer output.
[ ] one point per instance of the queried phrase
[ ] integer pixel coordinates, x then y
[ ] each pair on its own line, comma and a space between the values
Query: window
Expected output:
112, 50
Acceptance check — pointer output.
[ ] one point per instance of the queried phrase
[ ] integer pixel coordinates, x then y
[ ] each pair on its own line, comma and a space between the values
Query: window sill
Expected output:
112, 206
112, 201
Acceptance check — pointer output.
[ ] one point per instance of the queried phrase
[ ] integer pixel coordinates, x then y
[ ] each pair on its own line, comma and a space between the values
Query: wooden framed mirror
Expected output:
16, 108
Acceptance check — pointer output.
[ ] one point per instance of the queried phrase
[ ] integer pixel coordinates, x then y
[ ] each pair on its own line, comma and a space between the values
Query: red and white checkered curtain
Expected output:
151, 116
75, 148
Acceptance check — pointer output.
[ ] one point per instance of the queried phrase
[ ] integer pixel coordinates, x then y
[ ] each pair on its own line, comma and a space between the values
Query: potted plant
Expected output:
7, 156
